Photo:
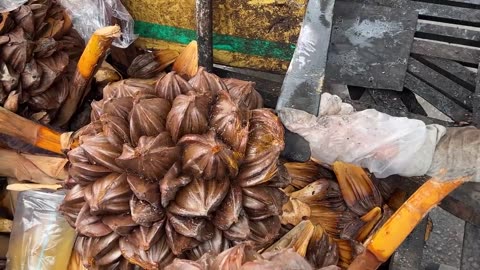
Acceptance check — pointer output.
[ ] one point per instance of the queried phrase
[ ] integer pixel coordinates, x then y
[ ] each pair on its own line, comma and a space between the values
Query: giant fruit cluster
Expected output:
175, 168
38, 55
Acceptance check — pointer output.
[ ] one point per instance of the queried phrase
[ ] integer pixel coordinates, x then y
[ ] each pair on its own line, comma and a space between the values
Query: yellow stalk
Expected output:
391, 235
370, 219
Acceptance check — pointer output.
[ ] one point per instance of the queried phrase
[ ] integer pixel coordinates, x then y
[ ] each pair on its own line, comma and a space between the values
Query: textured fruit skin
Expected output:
179, 172
39, 51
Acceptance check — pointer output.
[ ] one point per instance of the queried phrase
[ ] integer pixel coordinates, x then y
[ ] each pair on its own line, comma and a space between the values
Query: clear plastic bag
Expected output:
384, 144
90, 15
40, 238
9, 5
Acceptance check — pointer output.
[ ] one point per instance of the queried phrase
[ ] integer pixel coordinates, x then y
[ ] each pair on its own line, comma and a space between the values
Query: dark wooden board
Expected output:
475, 2
437, 99
476, 101
462, 53
444, 85
471, 248
409, 254
370, 46
436, 10
454, 70
449, 30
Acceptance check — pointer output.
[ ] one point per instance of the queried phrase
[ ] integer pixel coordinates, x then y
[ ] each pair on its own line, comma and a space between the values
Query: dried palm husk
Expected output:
34, 168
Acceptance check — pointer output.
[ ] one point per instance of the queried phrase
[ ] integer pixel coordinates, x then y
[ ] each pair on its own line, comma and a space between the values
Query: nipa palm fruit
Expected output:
342, 213
174, 168
38, 54
246, 258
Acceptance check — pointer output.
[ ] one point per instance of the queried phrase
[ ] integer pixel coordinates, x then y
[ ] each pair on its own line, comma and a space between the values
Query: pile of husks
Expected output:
174, 168
38, 56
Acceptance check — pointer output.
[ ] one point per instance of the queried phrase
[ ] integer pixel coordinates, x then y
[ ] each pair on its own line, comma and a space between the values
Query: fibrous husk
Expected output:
148, 117
215, 245
244, 94
172, 85
230, 122
172, 182
145, 213
110, 194
90, 225
158, 256
152, 157
120, 224
144, 237
98, 251
263, 202
207, 83
199, 198
99, 151
358, 190
303, 173
145, 66
229, 212
189, 115
207, 157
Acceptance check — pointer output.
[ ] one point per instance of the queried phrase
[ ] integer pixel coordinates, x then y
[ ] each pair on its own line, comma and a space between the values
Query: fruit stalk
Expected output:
93, 54
391, 235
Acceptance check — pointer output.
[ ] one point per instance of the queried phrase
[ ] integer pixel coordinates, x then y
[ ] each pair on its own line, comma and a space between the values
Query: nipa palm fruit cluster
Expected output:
333, 214
174, 168
38, 55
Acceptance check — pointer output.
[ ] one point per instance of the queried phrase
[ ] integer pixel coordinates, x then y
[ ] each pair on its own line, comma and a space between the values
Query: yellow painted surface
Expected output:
223, 57
270, 20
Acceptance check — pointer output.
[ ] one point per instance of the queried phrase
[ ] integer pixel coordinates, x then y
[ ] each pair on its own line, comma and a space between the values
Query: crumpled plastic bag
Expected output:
90, 15
384, 144
9, 5
40, 238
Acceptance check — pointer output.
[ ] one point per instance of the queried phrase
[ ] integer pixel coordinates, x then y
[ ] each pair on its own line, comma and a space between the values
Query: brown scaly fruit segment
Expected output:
343, 210
39, 51
245, 257
174, 168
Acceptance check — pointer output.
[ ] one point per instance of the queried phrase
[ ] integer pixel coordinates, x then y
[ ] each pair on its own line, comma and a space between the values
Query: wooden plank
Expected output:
446, 86
454, 70
449, 30
448, 12
437, 99
411, 102
439, 10
409, 254
476, 101
475, 2
471, 247
370, 45
462, 53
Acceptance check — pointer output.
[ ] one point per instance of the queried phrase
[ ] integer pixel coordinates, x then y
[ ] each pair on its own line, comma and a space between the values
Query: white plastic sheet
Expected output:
384, 144
9, 5
90, 15
40, 238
